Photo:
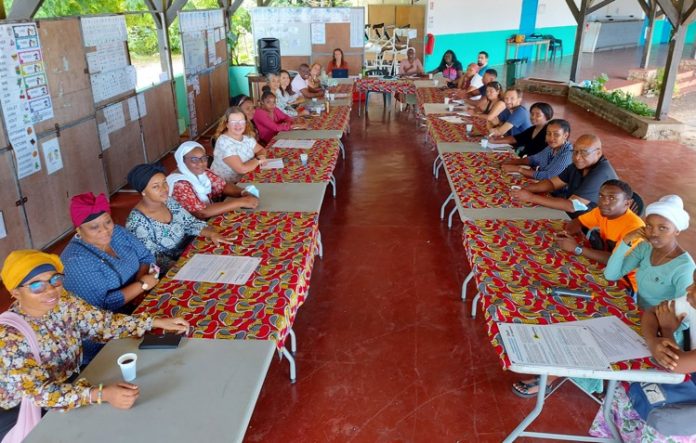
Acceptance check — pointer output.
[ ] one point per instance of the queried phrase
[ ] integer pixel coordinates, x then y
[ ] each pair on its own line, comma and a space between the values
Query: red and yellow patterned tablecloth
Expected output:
265, 307
442, 131
336, 120
320, 165
343, 88
478, 183
431, 95
515, 261
391, 86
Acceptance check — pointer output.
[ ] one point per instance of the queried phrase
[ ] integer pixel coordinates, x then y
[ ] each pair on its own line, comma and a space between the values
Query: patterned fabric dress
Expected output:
166, 241
59, 333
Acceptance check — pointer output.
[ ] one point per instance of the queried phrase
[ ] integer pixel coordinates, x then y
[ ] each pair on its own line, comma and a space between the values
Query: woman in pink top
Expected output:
270, 120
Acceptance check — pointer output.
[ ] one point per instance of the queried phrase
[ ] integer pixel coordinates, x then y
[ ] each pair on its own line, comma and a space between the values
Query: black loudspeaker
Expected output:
269, 55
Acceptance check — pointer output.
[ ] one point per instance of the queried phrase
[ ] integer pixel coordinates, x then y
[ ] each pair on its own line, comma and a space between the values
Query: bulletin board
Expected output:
159, 125
204, 47
48, 192
13, 218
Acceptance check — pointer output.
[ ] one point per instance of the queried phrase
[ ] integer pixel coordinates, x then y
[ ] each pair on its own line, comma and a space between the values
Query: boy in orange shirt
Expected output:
612, 217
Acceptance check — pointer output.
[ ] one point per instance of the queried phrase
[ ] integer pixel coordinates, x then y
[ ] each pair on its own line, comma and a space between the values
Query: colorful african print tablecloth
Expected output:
479, 183
336, 120
320, 164
442, 131
390, 86
431, 95
343, 88
515, 261
265, 307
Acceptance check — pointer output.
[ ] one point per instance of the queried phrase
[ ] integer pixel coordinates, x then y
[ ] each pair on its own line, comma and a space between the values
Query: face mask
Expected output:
578, 205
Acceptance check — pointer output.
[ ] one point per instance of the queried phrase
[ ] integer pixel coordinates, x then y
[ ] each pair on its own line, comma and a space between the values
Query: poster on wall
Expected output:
24, 94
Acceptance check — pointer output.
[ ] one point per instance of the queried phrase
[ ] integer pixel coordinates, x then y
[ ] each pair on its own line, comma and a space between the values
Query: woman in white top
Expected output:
235, 154
285, 96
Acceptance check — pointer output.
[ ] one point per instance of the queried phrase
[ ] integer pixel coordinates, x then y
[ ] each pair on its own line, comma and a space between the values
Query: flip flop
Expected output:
521, 389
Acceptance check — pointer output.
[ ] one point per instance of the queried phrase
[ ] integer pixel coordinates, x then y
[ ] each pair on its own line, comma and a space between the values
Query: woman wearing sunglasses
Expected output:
197, 189
235, 153
105, 264
41, 351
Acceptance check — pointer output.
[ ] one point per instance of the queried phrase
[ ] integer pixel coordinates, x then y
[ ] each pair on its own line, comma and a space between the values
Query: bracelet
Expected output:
99, 394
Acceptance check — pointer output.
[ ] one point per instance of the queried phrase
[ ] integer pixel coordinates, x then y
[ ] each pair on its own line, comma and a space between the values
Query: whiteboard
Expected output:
292, 26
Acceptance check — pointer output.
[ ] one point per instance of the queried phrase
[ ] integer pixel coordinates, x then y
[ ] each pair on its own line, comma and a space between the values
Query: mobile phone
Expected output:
160, 341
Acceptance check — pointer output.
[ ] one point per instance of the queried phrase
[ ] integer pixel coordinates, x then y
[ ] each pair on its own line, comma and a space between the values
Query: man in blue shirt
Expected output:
576, 189
514, 119
552, 160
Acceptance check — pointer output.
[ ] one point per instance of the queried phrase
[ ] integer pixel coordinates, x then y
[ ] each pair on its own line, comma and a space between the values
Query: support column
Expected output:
647, 46
24, 9
676, 48
582, 20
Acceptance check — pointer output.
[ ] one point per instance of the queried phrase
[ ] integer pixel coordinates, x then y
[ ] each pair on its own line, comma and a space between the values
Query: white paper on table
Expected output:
464, 114
498, 146
616, 339
273, 163
133, 108
457, 101
548, 345
3, 230
451, 119
212, 268
294, 144
52, 156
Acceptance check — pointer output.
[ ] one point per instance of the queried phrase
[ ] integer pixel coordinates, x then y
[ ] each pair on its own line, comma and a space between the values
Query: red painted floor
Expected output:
387, 351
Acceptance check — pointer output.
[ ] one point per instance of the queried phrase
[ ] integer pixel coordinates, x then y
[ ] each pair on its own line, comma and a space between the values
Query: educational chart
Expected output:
109, 67
24, 93
298, 28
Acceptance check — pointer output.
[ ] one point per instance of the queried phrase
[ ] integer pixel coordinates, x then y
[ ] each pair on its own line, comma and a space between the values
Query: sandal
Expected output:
521, 388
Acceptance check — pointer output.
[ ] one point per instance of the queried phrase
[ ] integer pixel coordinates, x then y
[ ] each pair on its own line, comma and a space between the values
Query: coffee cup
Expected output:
450, 108
484, 143
469, 128
303, 159
430, 76
127, 363
447, 100
435, 82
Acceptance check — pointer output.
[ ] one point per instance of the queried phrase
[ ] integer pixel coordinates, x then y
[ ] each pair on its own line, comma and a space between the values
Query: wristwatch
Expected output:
144, 286
578, 250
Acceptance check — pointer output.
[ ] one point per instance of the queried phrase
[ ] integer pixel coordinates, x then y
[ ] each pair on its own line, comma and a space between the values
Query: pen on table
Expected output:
571, 293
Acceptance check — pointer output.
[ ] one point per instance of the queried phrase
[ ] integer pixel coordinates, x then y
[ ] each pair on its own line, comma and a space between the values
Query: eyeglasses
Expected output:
197, 160
39, 286
237, 122
584, 153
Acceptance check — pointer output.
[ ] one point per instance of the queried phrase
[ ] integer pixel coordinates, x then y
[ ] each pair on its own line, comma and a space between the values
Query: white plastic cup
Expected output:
515, 187
304, 158
360, 75
484, 143
430, 76
469, 128
435, 82
127, 363
450, 108
447, 100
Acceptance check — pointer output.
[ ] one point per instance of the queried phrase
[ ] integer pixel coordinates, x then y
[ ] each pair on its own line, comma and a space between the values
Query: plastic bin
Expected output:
514, 69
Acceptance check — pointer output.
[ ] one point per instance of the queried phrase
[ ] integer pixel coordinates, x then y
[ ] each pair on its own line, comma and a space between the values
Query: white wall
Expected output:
552, 13
620, 8
459, 16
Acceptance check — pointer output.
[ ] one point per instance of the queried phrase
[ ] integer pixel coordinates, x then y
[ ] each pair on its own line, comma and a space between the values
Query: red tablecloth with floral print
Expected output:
479, 183
442, 131
336, 120
320, 164
343, 88
390, 86
265, 307
515, 261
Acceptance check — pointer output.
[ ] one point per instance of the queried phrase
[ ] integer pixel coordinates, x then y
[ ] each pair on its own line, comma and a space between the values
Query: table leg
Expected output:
291, 361
449, 218
541, 397
293, 341
332, 182
444, 205
466, 283
320, 246
342, 148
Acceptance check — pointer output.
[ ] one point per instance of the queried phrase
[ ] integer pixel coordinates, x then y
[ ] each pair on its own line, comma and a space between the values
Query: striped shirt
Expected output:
549, 164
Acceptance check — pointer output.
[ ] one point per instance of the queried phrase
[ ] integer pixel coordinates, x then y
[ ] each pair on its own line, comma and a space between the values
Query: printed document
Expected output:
210, 268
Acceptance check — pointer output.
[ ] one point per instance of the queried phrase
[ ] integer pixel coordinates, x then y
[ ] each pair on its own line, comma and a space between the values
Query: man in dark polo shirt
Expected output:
576, 189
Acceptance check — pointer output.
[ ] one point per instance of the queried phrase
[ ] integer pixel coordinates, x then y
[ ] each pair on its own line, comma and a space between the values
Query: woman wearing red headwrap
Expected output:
104, 263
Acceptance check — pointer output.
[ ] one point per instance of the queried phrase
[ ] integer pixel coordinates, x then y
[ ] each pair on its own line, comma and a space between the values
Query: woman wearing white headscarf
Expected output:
663, 269
196, 188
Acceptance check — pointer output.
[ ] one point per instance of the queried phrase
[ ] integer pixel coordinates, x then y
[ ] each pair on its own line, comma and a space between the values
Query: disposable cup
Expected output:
450, 108
127, 363
484, 143
430, 76
469, 128
447, 100
435, 82
303, 159
515, 187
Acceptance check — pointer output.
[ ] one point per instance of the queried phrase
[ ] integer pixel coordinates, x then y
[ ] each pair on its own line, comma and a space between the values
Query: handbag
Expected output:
669, 408
29, 412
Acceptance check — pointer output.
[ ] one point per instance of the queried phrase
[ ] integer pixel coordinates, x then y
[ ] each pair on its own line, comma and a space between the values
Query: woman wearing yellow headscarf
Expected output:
40, 342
